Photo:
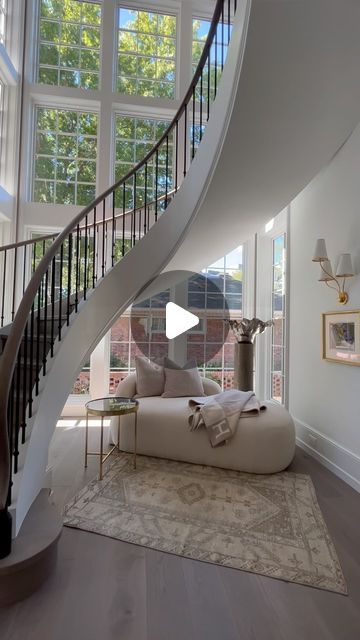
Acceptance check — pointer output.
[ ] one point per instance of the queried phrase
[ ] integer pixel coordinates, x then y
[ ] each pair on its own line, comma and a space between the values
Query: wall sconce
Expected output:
344, 270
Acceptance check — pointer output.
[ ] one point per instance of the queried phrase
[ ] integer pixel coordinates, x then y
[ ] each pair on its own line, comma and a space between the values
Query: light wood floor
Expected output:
105, 589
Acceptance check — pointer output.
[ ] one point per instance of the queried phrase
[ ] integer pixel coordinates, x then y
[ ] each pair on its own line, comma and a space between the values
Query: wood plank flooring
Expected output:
104, 589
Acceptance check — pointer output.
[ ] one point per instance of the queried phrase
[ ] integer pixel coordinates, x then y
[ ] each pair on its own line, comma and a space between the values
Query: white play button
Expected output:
178, 320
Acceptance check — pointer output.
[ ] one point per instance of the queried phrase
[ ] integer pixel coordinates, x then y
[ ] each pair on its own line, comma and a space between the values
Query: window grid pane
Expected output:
69, 43
65, 156
134, 138
226, 275
278, 334
146, 53
141, 333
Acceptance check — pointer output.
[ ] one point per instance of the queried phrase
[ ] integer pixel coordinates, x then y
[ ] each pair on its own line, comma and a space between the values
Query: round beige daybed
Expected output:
261, 444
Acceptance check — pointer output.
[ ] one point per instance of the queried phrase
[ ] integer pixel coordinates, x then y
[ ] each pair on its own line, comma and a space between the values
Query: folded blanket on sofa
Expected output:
220, 413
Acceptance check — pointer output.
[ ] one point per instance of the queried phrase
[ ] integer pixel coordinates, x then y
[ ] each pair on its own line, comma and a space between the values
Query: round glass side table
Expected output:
104, 407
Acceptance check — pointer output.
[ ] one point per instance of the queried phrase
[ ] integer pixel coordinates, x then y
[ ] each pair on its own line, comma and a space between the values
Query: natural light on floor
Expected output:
71, 423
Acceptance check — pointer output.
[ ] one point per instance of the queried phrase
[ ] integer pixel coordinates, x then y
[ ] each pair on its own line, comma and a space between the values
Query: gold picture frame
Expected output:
341, 337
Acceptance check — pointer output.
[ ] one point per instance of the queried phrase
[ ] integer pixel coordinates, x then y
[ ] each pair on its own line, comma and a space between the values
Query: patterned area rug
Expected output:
271, 525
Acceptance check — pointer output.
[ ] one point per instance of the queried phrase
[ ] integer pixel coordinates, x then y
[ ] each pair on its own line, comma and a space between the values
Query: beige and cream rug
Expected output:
271, 525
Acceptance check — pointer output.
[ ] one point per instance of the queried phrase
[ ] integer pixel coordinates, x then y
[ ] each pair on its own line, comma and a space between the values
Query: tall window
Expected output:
69, 43
226, 276
134, 138
278, 313
65, 156
146, 53
3, 4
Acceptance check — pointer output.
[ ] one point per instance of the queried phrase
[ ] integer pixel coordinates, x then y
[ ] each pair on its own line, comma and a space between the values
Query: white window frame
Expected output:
61, 107
263, 308
155, 7
37, 50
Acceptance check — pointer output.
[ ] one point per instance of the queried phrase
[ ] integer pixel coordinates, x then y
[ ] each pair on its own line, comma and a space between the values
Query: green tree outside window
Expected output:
65, 156
134, 138
69, 43
146, 53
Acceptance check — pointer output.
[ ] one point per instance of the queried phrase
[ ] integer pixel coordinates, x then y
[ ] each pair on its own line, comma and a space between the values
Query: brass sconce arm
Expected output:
343, 297
344, 270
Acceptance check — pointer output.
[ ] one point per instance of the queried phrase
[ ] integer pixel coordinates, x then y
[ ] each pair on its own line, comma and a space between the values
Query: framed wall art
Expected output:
341, 337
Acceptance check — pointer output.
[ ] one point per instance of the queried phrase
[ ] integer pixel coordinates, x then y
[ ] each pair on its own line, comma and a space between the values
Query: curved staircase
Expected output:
287, 97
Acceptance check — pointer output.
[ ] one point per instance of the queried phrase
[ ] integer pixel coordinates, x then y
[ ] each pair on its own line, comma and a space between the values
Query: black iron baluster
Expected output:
38, 338
208, 85
16, 425
79, 264
103, 242
77, 269
52, 295
106, 246
24, 382
10, 419
166, 171
228, 35
14, 289
156, 182
94, 249
24, 268
60, 289
34, 258
123, 220
222, 37
133, 215
85, 256
215, 62
145, 199
185, 139
44, 358
176, 154
31, 359
193, 124
201, 103
3, 290
113, 230
97, 251
69, 279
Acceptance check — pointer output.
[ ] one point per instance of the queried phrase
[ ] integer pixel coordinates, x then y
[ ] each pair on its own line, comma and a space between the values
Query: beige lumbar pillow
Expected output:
182, 382
150, 378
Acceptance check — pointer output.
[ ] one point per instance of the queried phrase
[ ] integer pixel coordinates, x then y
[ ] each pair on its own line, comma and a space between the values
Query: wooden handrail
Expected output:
52, 236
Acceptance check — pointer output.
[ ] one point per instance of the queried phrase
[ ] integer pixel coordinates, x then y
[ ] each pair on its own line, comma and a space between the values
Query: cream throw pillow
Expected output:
150, 378
182, 382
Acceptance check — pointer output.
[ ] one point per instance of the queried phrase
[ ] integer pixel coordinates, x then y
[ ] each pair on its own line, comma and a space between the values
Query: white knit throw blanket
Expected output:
220, 413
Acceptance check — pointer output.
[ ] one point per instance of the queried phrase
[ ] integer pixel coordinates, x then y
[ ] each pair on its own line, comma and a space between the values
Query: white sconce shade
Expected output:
326, 267
345, 268
320, 253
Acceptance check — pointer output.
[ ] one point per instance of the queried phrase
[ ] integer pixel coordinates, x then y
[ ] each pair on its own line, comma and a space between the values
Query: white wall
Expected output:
324, 396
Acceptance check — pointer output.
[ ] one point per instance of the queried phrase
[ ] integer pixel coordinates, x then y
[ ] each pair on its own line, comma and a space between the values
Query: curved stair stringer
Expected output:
121, 285
297, 102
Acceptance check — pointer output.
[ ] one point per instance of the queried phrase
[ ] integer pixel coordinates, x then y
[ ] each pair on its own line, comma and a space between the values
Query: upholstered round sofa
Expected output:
261, 444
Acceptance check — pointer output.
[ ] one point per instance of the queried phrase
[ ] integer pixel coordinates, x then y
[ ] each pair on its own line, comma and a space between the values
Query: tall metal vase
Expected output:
244, 366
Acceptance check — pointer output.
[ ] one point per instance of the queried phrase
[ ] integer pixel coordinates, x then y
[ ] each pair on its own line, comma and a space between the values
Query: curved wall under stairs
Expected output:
281, 112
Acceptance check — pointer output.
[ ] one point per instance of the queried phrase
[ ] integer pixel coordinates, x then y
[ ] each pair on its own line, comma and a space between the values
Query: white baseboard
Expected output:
342, 462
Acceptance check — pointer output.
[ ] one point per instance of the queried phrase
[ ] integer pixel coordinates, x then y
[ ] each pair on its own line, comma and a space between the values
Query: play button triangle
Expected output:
178, 320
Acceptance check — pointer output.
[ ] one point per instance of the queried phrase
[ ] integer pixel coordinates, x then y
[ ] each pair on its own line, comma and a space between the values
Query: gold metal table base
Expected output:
100, 453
